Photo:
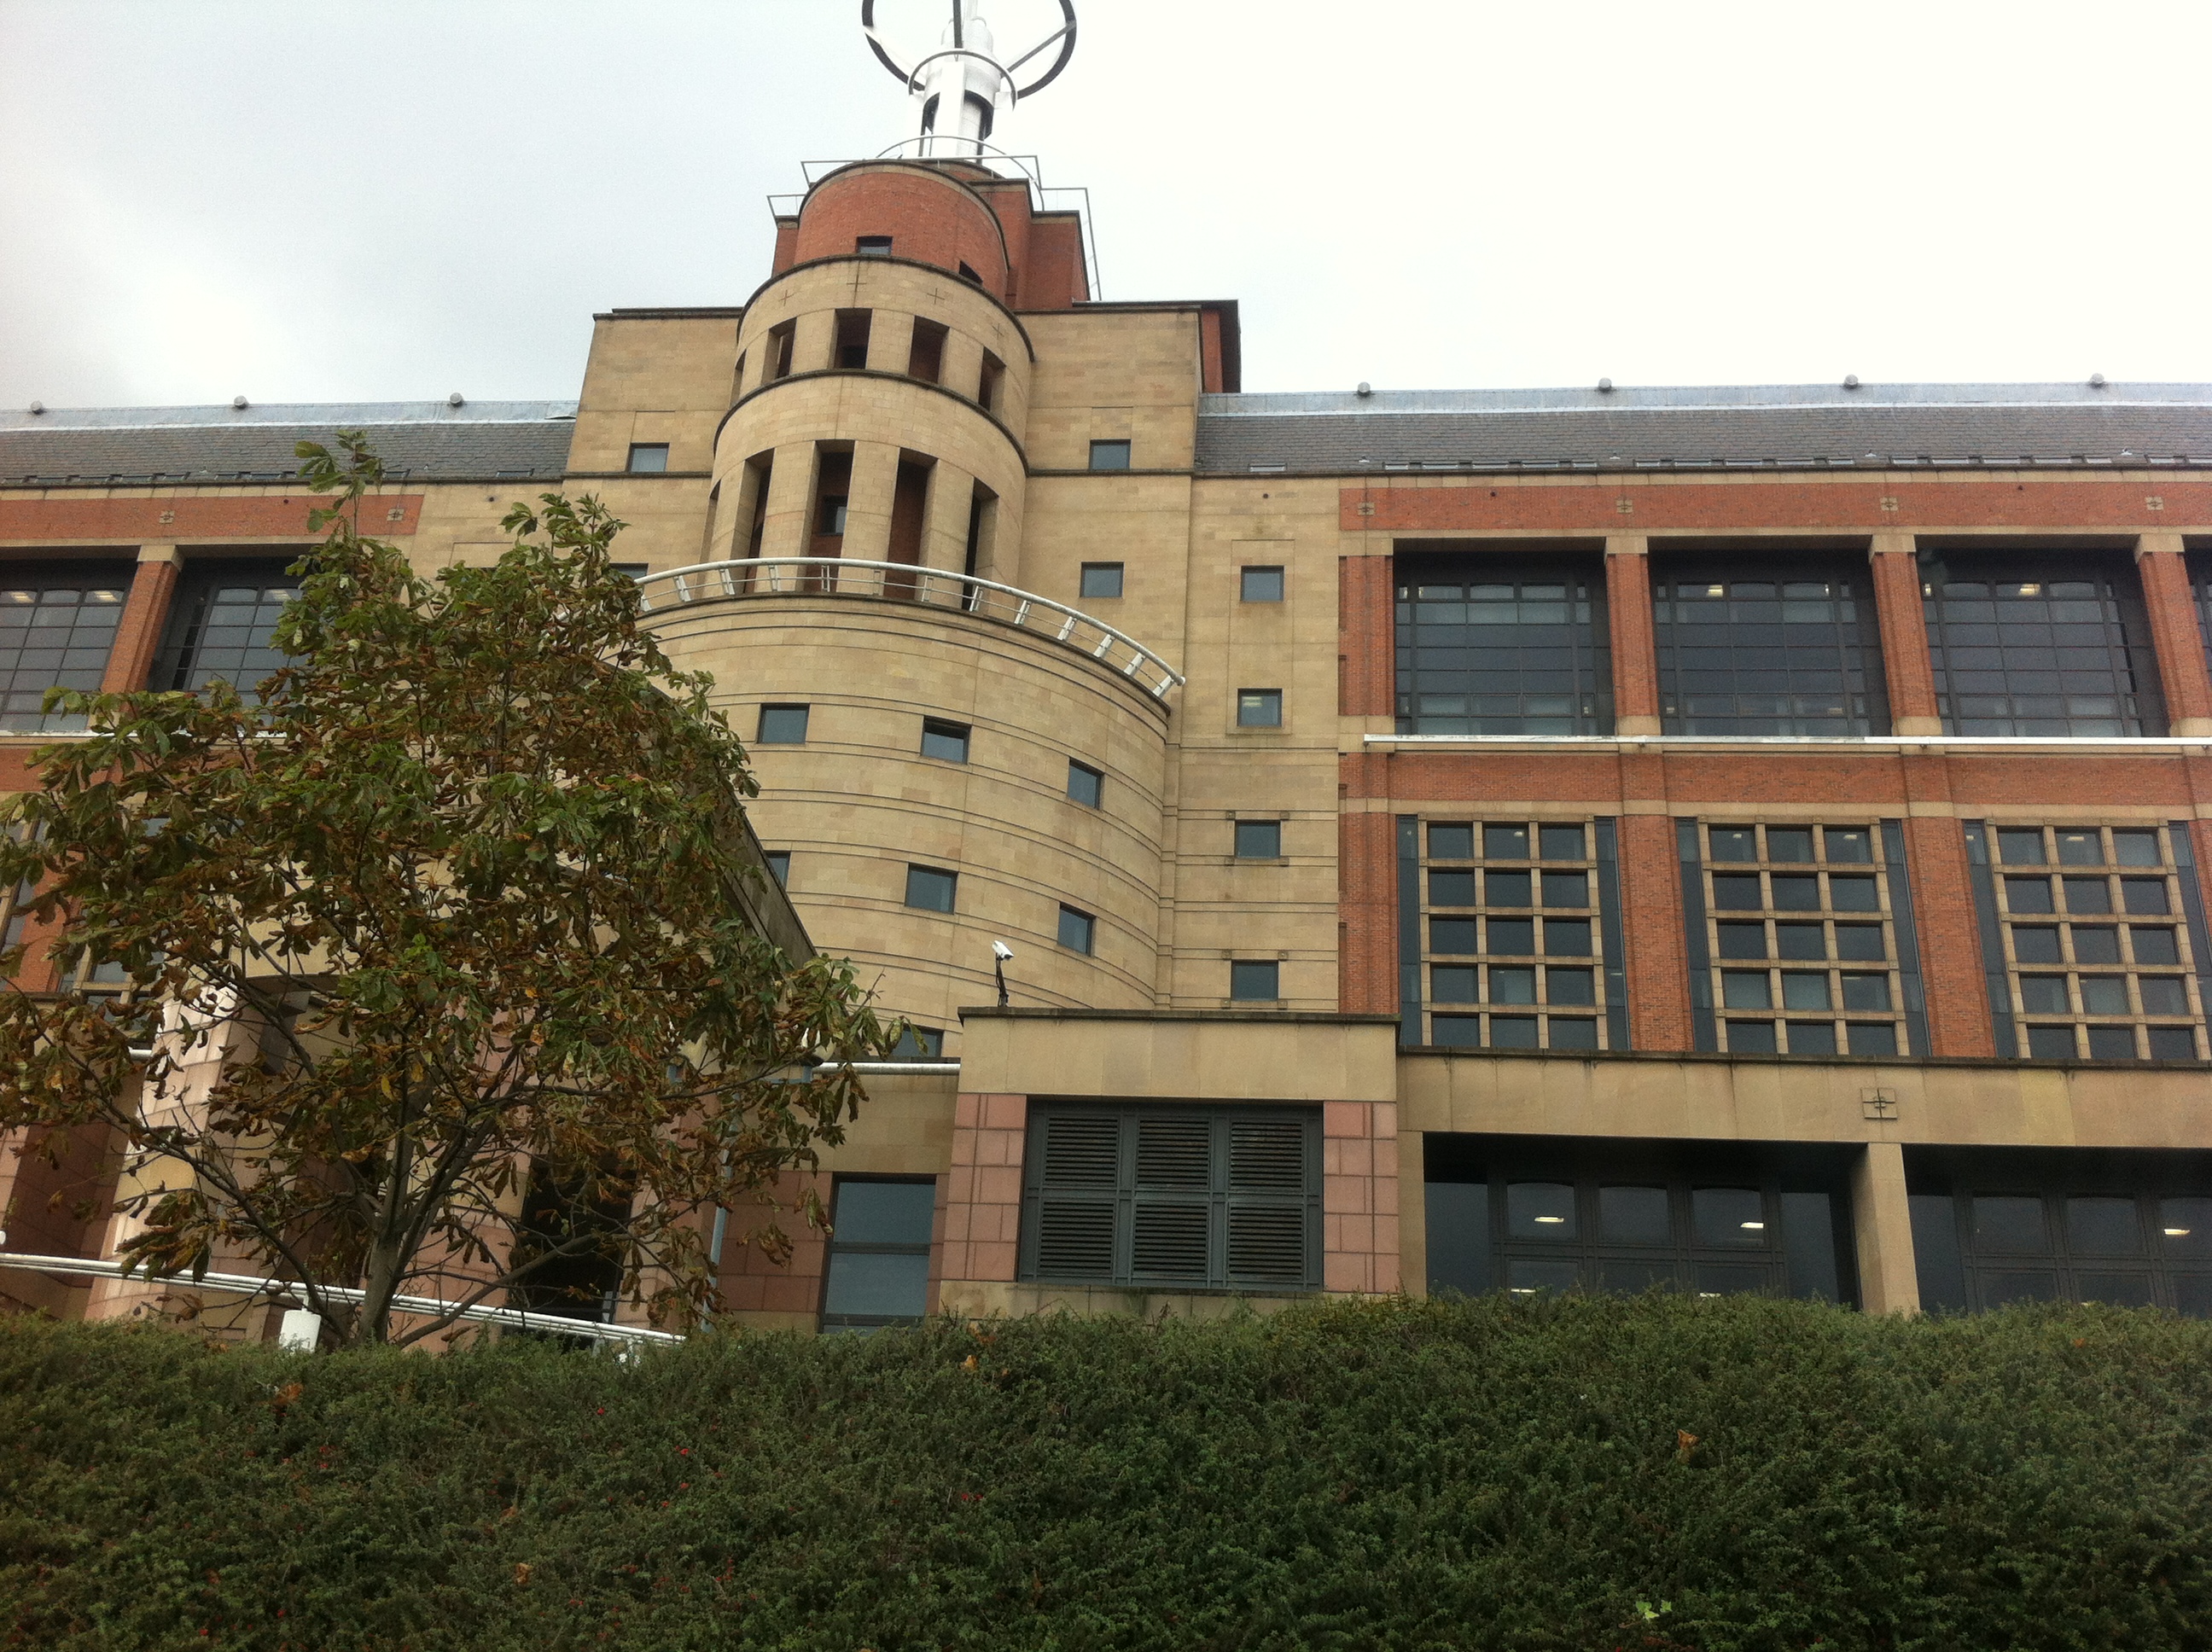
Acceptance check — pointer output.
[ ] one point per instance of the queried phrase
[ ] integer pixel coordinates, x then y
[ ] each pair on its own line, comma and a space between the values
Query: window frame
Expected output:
1854, 647
1088, 931
915, 868
36, 579
1115, 572
645, 450
944, 728
1274, 978
1110, 449
1244, 577
833, 1248
1454, 673
1267, 700
1237, 850
1097, 780
761, 737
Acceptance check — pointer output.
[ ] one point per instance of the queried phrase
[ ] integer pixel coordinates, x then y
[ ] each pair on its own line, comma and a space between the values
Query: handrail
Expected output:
934, 588
250, 1285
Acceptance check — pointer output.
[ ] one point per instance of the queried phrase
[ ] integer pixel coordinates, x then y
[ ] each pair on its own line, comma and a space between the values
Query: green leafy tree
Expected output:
459, 902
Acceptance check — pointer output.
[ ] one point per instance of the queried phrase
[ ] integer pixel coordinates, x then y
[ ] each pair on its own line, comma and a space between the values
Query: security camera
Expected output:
1001, 951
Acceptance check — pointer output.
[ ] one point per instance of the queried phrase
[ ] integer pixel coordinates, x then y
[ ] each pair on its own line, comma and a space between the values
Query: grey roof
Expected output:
418, 441
1780, 426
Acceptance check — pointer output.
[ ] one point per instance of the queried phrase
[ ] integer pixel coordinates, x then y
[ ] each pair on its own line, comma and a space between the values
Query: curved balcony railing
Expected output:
932, 587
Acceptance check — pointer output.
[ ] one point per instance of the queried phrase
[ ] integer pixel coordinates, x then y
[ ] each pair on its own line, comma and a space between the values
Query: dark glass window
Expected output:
1743, 654
877, 1271
779, 865
56, 631
782, 725
1258, 980
948, 741
220, 626
1488, 645
1262, 584
2029, 647
1259, 708
1260, 840
1077, 929
648, 458
919, 1044
873, 247
1086, 785
853, 327
931, 889
1109, 455
1102, 579
1216, 1197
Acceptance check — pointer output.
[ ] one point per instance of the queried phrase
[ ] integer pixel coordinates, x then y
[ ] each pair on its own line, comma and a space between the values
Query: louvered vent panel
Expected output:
1080, 1153
1266, 1153
1267, 1244
1174, 1152
1170, 1241
1075, 1241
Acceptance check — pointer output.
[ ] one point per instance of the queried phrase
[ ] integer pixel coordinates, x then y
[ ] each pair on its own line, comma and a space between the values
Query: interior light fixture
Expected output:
1753, 1227
2177, 1233
1550, 1221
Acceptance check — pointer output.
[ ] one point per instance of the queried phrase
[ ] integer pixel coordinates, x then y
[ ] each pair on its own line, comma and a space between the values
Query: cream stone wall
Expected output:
858, 803
1110, 372
654, 377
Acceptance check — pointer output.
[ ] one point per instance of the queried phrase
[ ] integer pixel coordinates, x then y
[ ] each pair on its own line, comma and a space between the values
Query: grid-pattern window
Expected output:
1742, 655
220, 627
1499, 647
56, 631
1218, 1197
878, 1267
2024, 649
2093, 929
1513, 952
1806, 939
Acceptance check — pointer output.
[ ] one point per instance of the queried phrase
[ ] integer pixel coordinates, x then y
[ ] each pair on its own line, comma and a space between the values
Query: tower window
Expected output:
928, 889
781, 341
832, 524
1077, 929
648, 457
1262, 584
1109, 455
853, 327
1102, 579
968, 273
925, 361
942, 739
782, 725
873, 246
992, 385
1086, 785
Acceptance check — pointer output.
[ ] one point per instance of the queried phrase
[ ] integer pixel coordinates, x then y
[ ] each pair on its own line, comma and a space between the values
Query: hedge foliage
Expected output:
1585, 1473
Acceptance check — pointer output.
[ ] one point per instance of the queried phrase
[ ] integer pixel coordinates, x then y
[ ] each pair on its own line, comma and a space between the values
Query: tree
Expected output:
458, 897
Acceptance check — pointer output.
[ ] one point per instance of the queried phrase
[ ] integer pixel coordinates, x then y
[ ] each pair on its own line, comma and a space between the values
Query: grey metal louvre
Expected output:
1267, 1244
1075, 1240
1174, 1152
1265, 1153
1082, 1150
1169, 1240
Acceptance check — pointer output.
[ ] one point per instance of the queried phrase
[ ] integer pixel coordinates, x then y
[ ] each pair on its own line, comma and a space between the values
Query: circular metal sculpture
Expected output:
963, 83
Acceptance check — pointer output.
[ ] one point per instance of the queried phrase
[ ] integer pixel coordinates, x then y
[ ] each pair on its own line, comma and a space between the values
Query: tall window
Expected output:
1166, 1196
878, 1272
2093, 940
2041, 645
56, 628
1488, 645
221, 625
1512, 953
1802, 939
853, 329
1758, 655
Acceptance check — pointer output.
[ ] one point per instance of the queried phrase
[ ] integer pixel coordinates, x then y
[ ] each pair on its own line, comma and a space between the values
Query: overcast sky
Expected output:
392, 199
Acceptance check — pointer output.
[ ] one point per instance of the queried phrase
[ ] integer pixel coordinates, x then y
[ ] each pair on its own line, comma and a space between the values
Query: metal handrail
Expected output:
933, 587
250, 1285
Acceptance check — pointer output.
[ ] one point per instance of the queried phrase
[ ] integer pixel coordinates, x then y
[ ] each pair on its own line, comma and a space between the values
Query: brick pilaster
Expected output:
1366, 915
1366, 637
2183, 675
1907, 671
1635, 658
1651, 924
145, 616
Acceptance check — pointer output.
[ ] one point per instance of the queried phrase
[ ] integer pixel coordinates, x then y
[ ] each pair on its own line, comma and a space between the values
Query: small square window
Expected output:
2135, 848
919, 1044
1806, 941
2172, 1044
947, 740
2112, 1044
782, 725
1743, 940
1255, 981
2021, 849
1733, 842
1567, 889
1513, 1032
831, 523
779, 865
1573, 1032
1455, 1032
1802, 989
929, 889
1086, 785
1109, 455
1866, 992
1751, 1037
1570, 985
2163, 995
1450, 842
2152, 946
2143, 894
1505, 842
2034, 944
1512, 983
1102, 579
873, 246
1263, 584
1812, 1038
1736, 892
1452, 983
1873, 1037
648, 457
1745, 989
2044, 995
1508, 888
1563, 842
1259, 708
2051, 1044
1452, 937
1450, 888
1790, 843
1077, 929
1512, 937
1260, 840
1570, 937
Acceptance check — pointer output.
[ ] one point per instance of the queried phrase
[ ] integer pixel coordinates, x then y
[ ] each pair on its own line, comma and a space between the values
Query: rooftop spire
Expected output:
965, 81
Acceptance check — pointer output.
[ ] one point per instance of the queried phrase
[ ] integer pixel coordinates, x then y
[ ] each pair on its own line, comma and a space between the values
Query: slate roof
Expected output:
427, 441
1784, 427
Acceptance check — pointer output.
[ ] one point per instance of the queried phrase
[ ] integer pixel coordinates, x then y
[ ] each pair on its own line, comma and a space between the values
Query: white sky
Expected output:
390, 199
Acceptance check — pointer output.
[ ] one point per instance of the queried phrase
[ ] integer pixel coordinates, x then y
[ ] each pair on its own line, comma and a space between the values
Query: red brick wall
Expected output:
145, 612
172, 518
1950, 938
1635, 656
1366, 637
929, 218
1651, 924
2182, 674
1367, 914
1907, 671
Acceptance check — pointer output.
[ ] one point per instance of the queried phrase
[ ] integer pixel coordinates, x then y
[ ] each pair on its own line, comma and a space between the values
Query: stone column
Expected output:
890, 341
814, 342
2183, 675
1882, 1219
1907, 668
868, 499
1635, 658
785, 530
963, 369
145, 616
944, 533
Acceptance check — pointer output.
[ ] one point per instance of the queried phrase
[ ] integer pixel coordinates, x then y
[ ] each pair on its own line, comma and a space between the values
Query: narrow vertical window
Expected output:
926, 359
853, 329
781, 342
1502, 646
1743, 654
779, 866
991, 385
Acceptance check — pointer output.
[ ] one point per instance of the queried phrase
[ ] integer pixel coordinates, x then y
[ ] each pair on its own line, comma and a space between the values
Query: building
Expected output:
1742, 839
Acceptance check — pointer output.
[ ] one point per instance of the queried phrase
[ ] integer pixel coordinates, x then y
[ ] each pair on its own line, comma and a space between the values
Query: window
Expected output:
1804, 945
991, 384
1109, 455
14, 921
948, 741
1259, 708
2130, 1227
1102, 579
1216, 1197
56, 628
919, 1044
1503, 945
1086, 785
873, 247
221, 625
2094, 958
1260, 584
1537, 1217
929, 889
1760, 656
853, 329
878, 1265
1077, 929
926, 359
1502, 646
1258, 981
2023, 647
782, 725
781, 342
830, 523
968, 273
1258, 840
648, 458
633, 570
779, 866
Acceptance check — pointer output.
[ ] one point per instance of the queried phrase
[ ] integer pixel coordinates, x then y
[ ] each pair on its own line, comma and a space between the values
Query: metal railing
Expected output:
933, 587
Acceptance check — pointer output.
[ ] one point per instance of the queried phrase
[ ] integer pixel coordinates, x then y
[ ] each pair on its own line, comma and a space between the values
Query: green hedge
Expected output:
1585, 1473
